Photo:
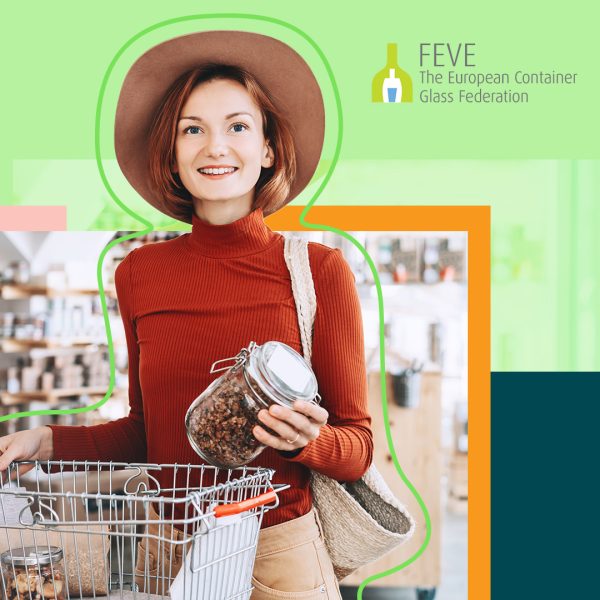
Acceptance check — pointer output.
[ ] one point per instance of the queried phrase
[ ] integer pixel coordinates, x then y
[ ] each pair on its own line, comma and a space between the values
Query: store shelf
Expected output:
51, 396
391, 288
22, 291
16, 345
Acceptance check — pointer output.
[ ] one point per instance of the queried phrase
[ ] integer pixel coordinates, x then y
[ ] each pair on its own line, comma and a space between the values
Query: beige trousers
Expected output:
291, 562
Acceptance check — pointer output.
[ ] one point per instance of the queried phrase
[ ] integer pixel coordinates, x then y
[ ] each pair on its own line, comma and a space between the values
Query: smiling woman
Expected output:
219, 145
220, 158
214, 117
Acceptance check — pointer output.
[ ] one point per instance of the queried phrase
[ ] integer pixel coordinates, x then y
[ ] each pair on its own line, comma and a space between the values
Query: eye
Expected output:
193, 129
239, 127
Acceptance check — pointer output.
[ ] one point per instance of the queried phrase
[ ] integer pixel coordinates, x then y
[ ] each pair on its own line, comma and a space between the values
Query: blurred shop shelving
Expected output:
49, 307
424, 279
52, 331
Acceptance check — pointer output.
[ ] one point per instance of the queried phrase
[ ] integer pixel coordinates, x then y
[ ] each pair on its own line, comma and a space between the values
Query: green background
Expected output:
536, 164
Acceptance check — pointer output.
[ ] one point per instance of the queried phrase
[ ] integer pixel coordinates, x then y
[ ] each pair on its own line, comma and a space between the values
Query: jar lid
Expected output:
30, 555
282, 373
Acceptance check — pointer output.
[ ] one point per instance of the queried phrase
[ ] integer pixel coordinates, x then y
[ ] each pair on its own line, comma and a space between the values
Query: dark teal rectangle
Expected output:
545, 492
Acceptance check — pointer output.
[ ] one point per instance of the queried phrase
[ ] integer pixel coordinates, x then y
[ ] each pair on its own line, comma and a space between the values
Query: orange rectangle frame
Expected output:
475, 220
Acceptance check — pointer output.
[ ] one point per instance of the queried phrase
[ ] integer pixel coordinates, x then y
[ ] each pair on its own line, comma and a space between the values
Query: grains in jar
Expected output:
33, 573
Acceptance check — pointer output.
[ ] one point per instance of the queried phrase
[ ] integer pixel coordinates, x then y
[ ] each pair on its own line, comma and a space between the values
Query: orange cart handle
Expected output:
224, 510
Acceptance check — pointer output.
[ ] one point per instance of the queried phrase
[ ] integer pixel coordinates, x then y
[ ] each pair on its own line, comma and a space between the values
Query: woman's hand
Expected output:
31, 444
294, 428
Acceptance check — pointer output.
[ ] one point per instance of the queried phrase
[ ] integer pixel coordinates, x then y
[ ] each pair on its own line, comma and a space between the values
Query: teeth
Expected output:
220, 171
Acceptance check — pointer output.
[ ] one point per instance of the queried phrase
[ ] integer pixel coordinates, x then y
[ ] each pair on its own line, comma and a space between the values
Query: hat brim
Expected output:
280, 70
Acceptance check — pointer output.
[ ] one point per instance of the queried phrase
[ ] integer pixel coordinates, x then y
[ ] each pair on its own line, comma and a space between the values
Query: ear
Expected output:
268, 156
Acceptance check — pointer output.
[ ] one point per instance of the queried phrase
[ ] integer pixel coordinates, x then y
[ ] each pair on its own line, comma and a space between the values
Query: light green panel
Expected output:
536, 164
545, 272
60, 52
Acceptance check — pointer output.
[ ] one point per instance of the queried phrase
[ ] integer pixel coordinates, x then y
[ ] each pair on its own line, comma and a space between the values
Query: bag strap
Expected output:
295, 252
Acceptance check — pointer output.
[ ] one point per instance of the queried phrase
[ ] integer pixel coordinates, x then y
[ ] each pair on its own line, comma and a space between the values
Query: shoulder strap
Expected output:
298, 264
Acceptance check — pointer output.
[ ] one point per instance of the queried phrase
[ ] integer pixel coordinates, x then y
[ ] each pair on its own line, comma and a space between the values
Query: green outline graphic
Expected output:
149, 228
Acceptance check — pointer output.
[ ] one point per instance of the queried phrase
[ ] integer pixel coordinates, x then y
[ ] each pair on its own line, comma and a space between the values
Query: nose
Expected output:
215, 145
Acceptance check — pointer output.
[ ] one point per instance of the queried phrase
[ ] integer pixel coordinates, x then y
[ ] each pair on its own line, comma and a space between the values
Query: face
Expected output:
220, 146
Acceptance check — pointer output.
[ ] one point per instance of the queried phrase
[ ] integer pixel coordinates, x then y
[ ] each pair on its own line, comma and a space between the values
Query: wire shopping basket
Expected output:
82, 529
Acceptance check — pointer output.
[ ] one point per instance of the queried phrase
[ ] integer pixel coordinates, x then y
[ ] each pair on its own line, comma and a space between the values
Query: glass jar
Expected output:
21, 272
33, 572
220, 421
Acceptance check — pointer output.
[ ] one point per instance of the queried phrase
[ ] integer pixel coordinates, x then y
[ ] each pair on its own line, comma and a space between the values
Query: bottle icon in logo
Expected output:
392, 88
392, 84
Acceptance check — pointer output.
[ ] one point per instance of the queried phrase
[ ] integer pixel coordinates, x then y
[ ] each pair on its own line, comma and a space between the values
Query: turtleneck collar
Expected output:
245, 236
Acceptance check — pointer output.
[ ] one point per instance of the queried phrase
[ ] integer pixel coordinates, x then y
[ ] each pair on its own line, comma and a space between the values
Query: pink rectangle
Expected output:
33, 218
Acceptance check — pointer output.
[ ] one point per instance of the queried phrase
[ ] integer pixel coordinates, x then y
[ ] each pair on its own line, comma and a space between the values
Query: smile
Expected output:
220, 172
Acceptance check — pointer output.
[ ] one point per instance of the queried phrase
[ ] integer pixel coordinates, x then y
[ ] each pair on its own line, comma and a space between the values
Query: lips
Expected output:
217, 172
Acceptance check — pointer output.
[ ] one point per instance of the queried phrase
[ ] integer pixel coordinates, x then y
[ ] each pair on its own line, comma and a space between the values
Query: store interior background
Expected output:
54, 354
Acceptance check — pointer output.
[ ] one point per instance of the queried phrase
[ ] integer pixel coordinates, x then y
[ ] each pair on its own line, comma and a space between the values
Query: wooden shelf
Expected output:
17, 345
22, 291
51, 396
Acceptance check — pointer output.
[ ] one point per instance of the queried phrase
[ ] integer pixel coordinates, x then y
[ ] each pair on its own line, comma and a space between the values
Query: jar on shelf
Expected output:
22, 274
220, 421
7, 321
34, 572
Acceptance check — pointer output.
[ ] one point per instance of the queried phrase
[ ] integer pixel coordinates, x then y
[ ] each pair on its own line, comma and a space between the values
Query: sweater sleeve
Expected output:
123, 440
344, 448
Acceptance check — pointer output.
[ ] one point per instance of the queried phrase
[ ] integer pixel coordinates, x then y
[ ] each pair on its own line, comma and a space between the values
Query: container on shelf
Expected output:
406, 385
22, 273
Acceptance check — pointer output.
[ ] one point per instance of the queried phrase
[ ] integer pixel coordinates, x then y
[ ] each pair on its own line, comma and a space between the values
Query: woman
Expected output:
220, 145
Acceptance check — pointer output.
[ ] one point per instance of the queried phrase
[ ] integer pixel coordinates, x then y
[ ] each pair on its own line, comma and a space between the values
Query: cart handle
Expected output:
225, 510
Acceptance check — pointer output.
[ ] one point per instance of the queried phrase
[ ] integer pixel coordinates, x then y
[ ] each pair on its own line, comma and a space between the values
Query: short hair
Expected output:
274, 183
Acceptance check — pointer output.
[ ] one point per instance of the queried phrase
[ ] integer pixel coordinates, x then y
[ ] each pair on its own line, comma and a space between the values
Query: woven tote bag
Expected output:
361, 520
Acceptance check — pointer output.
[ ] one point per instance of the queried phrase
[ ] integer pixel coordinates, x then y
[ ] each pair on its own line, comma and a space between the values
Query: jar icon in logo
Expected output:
392, 88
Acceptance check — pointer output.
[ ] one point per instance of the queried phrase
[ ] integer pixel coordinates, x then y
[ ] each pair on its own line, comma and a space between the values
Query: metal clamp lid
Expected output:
240, 359
282, 373
32, 556
257, 360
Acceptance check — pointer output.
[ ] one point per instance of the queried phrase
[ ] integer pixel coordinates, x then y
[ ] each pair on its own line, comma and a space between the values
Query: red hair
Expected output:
274, 183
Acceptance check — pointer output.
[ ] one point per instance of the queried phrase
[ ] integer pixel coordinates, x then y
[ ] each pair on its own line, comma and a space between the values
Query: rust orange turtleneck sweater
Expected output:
203, 296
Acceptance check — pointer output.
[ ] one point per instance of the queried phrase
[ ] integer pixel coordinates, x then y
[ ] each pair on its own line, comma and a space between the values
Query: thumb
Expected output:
11, 453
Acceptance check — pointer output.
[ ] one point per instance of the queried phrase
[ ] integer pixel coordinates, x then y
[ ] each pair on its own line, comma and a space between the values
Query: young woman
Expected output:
221, 145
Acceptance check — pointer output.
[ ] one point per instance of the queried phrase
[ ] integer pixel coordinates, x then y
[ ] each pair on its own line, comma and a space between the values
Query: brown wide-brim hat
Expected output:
280, 70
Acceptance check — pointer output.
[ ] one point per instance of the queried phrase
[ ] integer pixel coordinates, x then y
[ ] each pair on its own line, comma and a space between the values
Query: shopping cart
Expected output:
116, 530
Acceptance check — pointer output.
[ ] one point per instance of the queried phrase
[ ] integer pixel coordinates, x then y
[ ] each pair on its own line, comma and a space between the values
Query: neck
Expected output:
222, 213
243, 237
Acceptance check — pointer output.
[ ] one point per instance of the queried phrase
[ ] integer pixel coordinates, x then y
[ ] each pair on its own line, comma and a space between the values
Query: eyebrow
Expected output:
227, 117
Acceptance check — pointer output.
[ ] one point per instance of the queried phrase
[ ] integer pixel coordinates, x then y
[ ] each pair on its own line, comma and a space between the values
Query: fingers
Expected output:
6, 459
276, 442
8, 455
294, 428
304, 417
25, 468
286, 430
14, 473
313, 411
5, 442
11, 448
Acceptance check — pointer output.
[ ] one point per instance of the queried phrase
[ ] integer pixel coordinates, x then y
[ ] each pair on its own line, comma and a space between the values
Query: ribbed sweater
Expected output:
203, 296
